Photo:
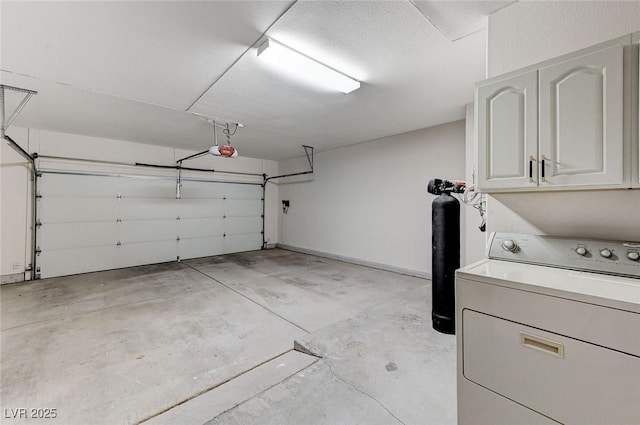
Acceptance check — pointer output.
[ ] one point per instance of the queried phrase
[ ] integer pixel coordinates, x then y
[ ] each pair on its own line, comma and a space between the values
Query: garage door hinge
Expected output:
224, 235
177, 218
38, 174
224, 216
119, 243
119, 196
119, 220
261, 215
38, 223
38, 251
178, 238
38, 195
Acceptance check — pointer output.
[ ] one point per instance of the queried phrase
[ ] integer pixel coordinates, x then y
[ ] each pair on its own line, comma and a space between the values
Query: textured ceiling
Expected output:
132, 70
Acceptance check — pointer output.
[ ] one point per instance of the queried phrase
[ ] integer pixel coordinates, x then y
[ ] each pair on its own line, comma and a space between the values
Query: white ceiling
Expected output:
132, 70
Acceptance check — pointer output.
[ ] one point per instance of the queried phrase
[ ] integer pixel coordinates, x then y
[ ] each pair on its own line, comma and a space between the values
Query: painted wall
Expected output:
529, 32
475, 240
526, 33
15, 209
15, 223
369, 201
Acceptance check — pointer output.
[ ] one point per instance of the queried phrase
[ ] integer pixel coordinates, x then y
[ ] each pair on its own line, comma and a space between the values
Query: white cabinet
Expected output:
555, 126
581, 120
507, 132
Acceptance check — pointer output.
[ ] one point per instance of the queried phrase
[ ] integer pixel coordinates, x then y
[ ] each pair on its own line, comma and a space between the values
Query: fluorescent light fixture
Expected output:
305, 67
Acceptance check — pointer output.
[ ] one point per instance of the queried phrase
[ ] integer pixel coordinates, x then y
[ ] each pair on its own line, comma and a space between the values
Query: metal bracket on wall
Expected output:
308, 151
6, 122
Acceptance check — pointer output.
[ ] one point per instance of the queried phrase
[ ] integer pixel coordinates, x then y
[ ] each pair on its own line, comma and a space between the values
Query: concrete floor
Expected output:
212, 341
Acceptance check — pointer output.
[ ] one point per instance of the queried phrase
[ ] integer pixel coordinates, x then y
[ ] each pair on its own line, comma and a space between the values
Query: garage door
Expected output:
90, 223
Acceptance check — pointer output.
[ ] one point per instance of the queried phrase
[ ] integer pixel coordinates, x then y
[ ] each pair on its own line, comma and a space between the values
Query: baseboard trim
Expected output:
11, 278
372, 264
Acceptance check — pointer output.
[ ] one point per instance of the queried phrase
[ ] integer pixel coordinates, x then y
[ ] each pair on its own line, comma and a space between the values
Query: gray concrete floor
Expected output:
212, 341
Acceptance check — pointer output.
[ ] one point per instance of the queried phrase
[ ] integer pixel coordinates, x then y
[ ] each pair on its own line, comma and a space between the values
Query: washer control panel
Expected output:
599, 256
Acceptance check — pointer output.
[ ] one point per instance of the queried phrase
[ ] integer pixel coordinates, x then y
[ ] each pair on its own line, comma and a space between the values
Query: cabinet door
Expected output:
581, 120
506, 133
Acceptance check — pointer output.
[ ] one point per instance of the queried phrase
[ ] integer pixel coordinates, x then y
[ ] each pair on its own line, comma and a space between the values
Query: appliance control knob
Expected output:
581, 251
633, 255
510, 245
605, 253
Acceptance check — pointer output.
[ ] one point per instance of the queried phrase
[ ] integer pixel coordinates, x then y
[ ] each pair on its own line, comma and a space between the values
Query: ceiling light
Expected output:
305, 67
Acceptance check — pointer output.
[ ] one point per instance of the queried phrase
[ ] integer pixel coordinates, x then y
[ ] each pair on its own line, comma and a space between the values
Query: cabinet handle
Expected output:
530, 169
542, 171
531, 159
542, 344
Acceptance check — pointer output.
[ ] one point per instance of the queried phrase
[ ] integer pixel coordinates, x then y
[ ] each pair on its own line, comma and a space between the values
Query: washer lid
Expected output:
613, 291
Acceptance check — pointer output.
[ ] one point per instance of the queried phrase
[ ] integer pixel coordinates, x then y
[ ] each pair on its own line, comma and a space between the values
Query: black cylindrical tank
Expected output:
445, 260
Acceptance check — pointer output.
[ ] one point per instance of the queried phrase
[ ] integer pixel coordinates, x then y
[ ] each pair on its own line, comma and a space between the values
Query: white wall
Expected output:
475, 240
15, 223
369, 202
526, 33
529, 32
15, 209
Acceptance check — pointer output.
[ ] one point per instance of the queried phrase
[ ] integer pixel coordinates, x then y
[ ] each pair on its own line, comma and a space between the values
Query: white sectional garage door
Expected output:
91, 223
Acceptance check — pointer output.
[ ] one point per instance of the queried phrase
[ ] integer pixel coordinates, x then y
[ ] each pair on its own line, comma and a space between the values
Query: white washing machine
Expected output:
548, 331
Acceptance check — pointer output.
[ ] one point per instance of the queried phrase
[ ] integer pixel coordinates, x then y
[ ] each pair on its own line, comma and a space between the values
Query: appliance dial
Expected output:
581, 251
633, 255
605, 253
510, 245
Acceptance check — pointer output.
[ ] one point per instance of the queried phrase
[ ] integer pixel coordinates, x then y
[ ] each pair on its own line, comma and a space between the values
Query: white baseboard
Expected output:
372, 264
11, 278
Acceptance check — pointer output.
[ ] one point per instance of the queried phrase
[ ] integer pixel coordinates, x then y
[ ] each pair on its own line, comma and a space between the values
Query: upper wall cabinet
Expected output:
554, 126
581, 120
507, 132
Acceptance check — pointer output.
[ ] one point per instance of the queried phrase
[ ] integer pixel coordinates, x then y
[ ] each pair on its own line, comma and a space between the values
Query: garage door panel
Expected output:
148, 231
241, 243
61, 262
147, 188
241, 225
135, 254
77, 210
77, 235
200, 190
145, 208
63, 185
243, 191
201, 227
84, 219
200, 208
200, 247
243, 207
